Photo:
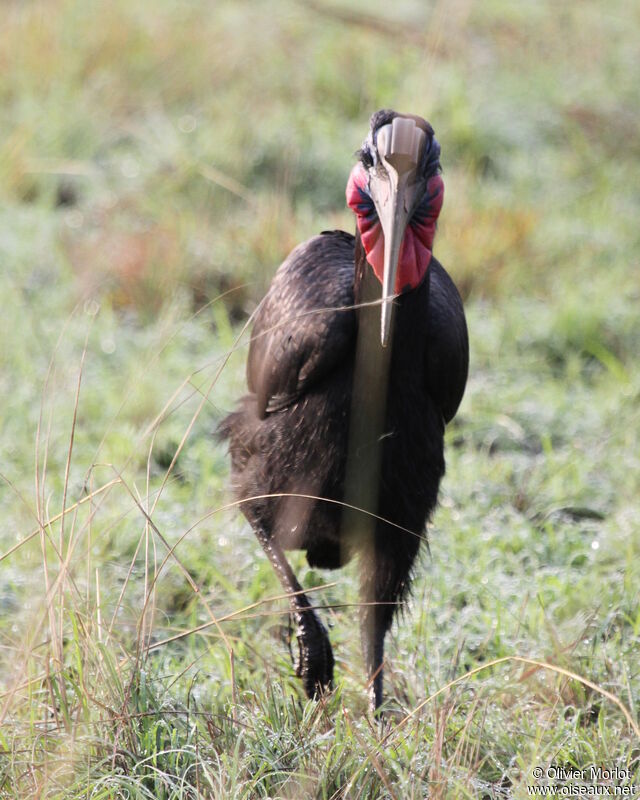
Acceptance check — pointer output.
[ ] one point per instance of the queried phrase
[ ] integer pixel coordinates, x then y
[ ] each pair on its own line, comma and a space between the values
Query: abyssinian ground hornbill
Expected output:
339, 445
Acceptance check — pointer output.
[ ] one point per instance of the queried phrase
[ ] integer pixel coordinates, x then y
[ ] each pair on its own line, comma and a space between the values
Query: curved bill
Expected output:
395, 190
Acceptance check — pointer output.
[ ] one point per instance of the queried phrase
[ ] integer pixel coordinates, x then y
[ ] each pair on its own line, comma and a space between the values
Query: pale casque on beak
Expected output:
395, 188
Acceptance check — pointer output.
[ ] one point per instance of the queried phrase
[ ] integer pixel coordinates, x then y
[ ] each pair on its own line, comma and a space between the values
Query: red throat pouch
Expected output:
417, 242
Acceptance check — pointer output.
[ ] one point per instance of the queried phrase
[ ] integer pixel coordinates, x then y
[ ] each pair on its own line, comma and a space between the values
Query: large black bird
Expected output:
358, 359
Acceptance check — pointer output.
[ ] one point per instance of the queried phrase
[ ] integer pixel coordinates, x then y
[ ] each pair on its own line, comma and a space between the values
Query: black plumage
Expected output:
293, 435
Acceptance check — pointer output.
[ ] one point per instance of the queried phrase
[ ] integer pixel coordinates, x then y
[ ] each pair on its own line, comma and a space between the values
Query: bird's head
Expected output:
396, 192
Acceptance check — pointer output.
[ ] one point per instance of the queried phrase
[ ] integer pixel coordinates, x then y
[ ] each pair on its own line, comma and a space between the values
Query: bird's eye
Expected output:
367, 153
366, 156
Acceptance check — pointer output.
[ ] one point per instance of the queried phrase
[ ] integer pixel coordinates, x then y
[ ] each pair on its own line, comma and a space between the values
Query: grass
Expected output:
157, 162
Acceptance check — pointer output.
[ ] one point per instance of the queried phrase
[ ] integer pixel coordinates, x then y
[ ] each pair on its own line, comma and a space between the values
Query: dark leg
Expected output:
383, 582
373, 631
315, 659
375, 622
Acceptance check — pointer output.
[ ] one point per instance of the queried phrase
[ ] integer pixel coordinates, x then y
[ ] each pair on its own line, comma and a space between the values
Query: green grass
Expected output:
157, 161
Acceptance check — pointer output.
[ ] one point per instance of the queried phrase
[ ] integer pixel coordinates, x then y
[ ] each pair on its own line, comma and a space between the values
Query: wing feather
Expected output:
305, 326
448, 343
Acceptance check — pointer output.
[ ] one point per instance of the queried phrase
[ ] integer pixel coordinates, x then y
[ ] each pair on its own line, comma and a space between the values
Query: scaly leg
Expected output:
383, 581
315, 661
375, 622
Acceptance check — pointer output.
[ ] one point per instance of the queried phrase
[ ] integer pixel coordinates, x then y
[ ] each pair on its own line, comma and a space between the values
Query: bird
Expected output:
357, 361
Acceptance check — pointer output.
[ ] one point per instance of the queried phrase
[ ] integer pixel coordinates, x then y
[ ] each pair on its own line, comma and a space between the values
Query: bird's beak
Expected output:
395, 189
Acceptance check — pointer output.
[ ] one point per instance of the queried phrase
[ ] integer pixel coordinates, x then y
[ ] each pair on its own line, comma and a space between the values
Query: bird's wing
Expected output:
448, 342
305, 325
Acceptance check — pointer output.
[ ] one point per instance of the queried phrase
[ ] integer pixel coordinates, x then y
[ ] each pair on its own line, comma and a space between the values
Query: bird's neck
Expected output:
409, 314
367, 293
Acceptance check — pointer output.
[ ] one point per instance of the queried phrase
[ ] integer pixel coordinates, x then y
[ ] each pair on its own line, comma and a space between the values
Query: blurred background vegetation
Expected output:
157, 162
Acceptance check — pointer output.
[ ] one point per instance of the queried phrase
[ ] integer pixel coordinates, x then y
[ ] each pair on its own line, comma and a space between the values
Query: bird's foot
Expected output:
314, 663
